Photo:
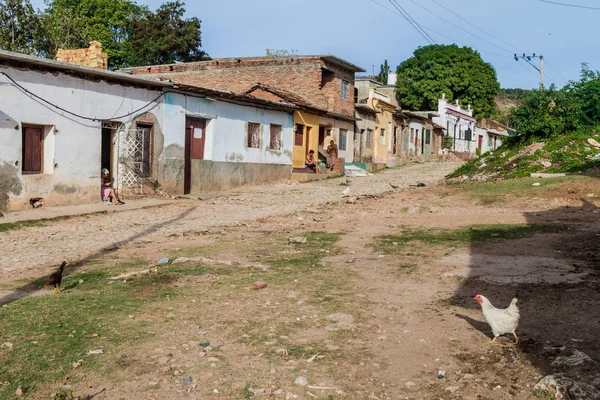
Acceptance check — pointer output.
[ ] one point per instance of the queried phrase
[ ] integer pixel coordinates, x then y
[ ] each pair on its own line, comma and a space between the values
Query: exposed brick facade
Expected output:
91, 57
317, 79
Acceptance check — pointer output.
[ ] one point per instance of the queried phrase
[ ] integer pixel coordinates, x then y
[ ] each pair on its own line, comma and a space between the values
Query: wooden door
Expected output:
479, 142
307, 147
195, 139
33, 145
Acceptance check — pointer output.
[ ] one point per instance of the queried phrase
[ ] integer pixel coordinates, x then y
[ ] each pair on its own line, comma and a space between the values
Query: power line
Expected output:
570, 5
555, 70
411, 21
439, 33
528, 70
472, 24
75, 114
458, 27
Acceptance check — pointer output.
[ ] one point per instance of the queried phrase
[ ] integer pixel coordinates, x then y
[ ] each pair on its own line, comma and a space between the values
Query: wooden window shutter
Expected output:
299, 136
33, 140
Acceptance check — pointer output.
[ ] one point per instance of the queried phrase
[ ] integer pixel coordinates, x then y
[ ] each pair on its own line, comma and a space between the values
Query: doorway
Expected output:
107, 148
307, 147
479, 142
195, 139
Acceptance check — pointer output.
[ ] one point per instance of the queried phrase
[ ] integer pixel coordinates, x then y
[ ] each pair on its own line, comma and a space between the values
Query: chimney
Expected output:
92, 57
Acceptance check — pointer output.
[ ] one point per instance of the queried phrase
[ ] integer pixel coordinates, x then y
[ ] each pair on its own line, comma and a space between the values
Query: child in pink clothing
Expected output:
107, 191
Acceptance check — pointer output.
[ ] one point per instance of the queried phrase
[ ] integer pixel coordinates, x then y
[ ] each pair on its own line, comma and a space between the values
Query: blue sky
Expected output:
365, 33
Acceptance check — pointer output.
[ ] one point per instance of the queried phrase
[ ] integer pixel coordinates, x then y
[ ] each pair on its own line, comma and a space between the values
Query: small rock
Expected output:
331, 347
7, 345
239, 385
185, 380
301, 381
259, 285
163, 261
77, 364
212, 359
536, 184
99, 351
201, 332
577, 358
342, 322
591, 195
410, 384
441, 373
297, 240
452, 389
80, 281
498, 387
19, 392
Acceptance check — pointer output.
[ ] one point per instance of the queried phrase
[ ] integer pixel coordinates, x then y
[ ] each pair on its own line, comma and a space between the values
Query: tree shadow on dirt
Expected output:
36, 284
555, 274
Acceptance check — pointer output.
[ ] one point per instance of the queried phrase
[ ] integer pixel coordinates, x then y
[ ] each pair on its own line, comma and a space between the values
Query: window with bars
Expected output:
343, 139
275, 142
428, 136
382, 136
253, 135
345, 89
369, 142
299, 135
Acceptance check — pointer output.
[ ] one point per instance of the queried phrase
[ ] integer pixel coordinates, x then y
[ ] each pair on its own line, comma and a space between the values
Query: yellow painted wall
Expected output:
309, 121
383, 118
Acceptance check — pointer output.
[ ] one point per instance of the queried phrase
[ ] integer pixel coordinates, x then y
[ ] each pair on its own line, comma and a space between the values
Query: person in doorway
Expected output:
332, 154
107, 190
311, 162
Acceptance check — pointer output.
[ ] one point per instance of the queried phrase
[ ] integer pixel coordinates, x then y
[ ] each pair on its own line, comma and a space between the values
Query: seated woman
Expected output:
311, 163
107, 191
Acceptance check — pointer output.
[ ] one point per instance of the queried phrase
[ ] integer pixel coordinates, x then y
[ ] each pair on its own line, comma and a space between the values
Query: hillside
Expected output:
570, 153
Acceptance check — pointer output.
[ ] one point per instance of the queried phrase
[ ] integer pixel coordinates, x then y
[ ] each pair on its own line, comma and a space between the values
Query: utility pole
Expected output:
540, 69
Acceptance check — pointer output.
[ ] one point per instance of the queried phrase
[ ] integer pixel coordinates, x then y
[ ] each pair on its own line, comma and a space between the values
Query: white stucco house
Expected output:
490, 135
459, 124
61, 123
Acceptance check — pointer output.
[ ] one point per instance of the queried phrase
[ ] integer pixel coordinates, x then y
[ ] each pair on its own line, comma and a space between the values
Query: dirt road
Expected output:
23, 251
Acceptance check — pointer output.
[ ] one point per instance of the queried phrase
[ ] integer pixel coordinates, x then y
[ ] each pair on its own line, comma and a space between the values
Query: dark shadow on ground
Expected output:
36, 284
556, 278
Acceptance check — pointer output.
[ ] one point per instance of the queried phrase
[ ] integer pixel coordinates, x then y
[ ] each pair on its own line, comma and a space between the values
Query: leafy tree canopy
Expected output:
166, 36
130, 34
73, 24
458, 72
551, 111
19, 25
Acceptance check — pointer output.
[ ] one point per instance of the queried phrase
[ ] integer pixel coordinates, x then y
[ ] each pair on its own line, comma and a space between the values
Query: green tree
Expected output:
458, 72
19, 26
165, 37
547, 112
72, 24
587, 92
384, 72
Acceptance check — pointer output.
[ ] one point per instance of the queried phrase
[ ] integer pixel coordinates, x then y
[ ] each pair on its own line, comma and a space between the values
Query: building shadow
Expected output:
34, 285
554, 271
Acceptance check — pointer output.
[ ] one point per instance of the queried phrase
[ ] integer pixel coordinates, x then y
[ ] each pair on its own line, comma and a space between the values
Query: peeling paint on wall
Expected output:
235, 157
9, 183
64, 189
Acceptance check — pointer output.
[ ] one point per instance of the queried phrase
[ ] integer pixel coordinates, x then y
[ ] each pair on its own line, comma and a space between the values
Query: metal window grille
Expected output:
344, 89
428, 136
275, 142
343, 139
253, 135
134, 159
369, 137
299, 135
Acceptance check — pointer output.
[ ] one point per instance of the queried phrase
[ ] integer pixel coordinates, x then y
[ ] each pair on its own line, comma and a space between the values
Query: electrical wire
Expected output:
528, 70
411, 21
555, 70
570, 5
472, 24
441, 34
460, 28
75, 114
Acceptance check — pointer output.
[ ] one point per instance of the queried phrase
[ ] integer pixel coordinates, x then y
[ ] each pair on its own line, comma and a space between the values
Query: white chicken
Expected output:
501, 321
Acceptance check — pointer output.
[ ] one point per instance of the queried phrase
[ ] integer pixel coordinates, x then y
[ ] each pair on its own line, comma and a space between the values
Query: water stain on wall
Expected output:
9, 183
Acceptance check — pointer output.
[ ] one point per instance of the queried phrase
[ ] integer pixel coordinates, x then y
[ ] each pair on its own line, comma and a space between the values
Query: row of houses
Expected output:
200, 127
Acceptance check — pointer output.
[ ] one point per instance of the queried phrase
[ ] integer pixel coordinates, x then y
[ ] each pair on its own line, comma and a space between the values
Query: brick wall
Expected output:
91, 57
301, 76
